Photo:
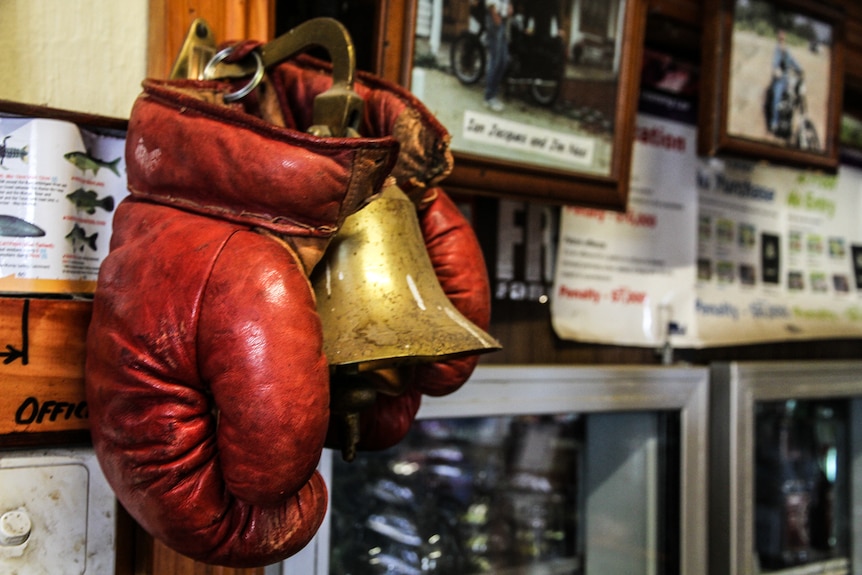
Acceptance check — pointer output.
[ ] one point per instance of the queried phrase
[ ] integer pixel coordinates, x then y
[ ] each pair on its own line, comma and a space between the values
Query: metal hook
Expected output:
338, 110
197, 50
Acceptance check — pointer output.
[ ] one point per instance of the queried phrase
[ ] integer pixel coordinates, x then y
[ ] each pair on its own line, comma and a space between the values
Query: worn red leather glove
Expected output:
424, 159
207, 387
460, 268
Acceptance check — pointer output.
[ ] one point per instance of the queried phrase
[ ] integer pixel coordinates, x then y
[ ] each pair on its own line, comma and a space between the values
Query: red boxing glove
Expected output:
460, 267
424, 159
206, 382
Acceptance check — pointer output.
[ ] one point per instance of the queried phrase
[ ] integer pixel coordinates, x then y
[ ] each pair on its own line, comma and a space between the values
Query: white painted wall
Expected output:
82, 55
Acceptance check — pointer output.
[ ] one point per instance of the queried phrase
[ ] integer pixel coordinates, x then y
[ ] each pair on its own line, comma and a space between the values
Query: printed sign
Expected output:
42, 365
627, 278
519, 136
712, 252
776, 253
519, 241
59, 185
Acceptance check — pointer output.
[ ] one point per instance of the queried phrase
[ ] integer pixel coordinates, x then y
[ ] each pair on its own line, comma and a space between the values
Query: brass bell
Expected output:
378, 296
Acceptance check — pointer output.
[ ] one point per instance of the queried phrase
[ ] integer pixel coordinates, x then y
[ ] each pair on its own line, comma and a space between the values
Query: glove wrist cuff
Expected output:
187, 149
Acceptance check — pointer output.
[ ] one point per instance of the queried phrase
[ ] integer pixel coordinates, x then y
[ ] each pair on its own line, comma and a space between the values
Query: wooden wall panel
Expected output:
167, 562
685, 11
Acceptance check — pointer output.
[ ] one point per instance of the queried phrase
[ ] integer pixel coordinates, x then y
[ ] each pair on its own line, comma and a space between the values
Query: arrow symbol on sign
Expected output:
11, 355
14, 353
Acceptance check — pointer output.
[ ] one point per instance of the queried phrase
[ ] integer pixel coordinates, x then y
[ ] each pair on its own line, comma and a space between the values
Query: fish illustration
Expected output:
79, 239
9, 152
84, 161
15, 227
88, 201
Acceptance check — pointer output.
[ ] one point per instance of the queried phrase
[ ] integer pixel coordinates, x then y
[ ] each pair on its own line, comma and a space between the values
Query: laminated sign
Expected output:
59, 185
628, 278
712, 252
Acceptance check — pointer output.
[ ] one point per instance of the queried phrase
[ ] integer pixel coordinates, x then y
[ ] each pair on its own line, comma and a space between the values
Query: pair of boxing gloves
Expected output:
208, 389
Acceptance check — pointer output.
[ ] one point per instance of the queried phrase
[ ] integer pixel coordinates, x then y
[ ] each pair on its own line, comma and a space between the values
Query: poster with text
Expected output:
712, 252
779, 253
59, 185
629, 278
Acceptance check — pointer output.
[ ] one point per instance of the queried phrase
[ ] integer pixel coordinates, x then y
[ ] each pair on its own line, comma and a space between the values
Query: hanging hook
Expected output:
338, 110
197, 50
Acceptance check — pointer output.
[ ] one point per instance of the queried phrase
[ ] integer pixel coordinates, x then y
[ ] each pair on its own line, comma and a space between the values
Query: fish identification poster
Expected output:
59, 185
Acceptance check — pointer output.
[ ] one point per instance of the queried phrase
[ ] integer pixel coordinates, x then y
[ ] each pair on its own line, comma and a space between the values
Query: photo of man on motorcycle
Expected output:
786, 105
783, 63
779, 76
500, 76
517, 44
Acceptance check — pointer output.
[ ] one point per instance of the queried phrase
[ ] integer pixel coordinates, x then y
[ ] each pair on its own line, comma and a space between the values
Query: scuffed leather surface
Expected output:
424, 157
207, 416
387, 422
207, 385
206, 380
185, 149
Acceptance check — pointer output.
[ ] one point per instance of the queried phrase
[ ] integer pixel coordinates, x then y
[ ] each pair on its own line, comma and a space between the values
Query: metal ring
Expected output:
245, 90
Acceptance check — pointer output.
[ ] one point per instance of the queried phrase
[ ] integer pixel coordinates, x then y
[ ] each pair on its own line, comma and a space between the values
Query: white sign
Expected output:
495, 131
776, 253
712, 252
626, 277
59, 185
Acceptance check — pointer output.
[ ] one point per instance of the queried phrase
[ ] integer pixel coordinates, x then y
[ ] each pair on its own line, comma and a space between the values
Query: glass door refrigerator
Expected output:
786, 494
540, 470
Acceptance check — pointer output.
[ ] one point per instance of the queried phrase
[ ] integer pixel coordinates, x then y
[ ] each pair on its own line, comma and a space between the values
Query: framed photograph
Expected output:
539, 97
773, 75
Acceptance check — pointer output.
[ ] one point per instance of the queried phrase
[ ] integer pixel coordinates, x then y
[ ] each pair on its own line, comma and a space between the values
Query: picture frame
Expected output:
743, 498
575, 148
773, 74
